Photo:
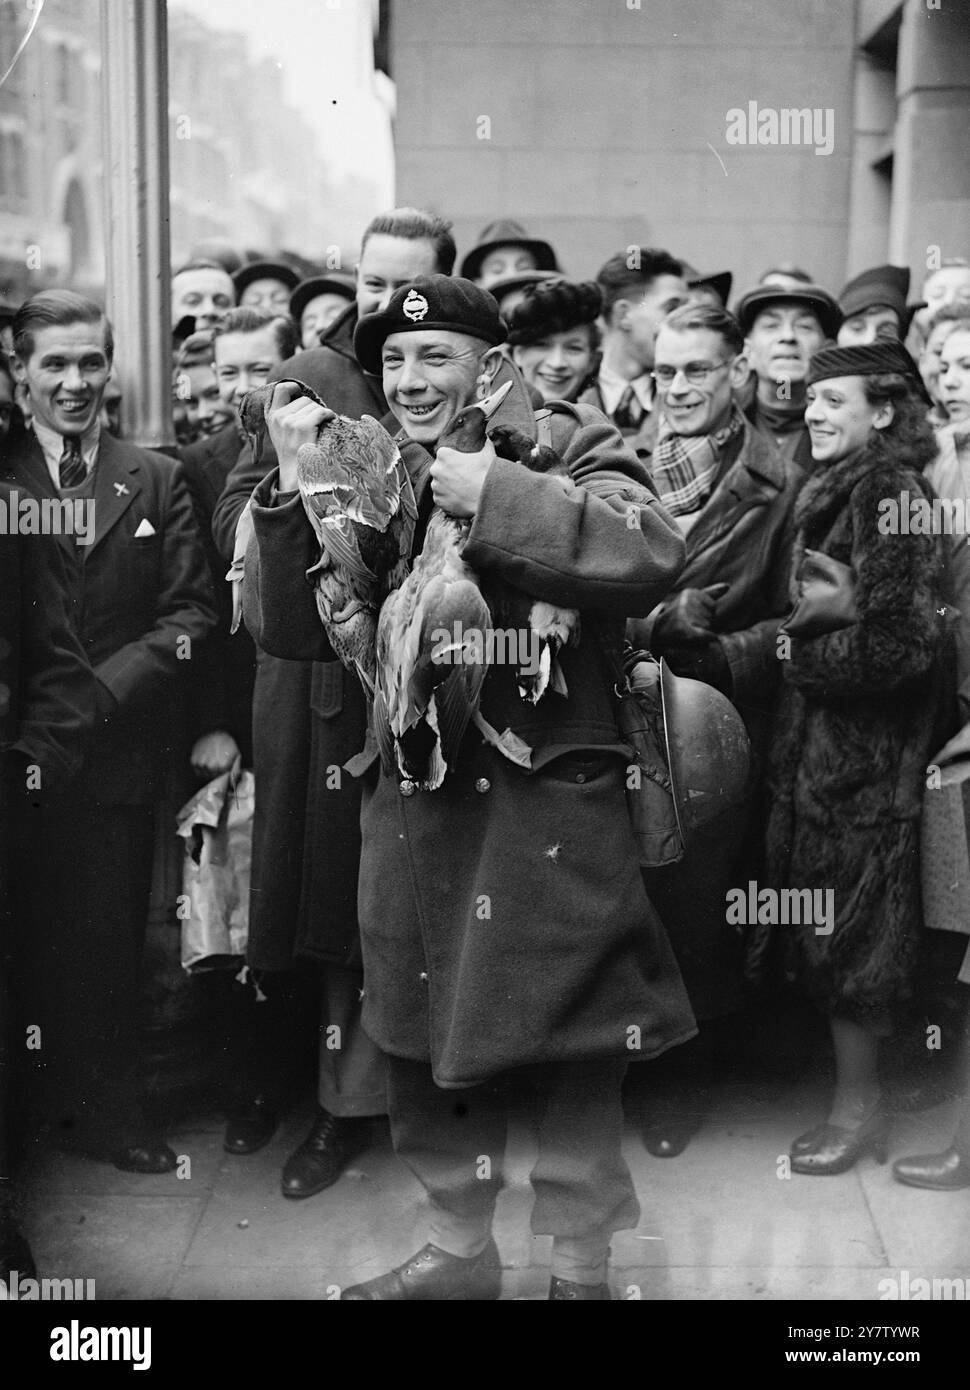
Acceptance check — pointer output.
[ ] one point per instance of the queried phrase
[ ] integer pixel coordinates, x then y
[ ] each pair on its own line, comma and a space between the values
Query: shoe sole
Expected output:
932, 1186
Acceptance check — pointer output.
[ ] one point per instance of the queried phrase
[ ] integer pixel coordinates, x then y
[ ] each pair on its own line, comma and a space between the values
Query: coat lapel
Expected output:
31, 469
116, 485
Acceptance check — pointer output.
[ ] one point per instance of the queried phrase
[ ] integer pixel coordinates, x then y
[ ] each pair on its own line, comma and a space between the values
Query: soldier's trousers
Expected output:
454, 1143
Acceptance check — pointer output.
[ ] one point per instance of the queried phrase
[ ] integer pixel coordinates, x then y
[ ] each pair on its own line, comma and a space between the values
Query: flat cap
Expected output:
821, 303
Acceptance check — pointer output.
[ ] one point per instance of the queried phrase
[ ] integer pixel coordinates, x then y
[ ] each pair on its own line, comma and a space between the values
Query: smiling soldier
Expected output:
503, 917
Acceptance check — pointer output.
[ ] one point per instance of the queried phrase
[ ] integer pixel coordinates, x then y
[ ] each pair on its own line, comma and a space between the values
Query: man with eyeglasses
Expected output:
732, 493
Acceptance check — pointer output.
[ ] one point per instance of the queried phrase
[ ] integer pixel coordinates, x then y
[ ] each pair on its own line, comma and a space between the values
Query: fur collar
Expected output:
829, 489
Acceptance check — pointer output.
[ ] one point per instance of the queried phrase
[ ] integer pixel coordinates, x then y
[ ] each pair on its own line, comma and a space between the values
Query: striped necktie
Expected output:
71, 469
627, 414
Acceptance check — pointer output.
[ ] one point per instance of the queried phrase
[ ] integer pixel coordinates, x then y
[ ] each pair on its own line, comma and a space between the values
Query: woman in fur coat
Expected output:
855, 729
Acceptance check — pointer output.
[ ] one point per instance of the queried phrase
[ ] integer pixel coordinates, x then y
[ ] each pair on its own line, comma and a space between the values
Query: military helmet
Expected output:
708, 751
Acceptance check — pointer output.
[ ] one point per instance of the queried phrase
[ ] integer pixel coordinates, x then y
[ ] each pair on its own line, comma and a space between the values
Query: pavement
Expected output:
722, 1221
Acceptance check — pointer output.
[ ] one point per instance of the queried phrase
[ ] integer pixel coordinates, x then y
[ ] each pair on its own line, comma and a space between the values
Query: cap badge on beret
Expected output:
415, 306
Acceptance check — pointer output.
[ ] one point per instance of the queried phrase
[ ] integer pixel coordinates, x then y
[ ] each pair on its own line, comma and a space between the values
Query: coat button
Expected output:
408, 788
483, 785
580, 776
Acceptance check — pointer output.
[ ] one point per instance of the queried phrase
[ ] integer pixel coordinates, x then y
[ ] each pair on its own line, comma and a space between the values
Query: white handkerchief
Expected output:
145, 528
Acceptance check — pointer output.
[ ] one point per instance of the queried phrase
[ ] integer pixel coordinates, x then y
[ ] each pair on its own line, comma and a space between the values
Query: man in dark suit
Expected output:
135, 576
46, 705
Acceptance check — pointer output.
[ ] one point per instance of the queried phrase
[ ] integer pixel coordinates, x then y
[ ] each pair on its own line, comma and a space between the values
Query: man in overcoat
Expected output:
309, 719
733, 494
504, 923
137, 588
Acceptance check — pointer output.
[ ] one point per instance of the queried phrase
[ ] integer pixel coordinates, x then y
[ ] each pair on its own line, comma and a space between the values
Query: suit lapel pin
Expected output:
121, 489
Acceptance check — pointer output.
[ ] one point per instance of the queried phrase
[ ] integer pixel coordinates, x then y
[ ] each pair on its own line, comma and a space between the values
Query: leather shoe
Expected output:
323, 1155
668, 1138
560, 1289
150, 1156
433, 1274
830, 1149
945, 1172
252, 1129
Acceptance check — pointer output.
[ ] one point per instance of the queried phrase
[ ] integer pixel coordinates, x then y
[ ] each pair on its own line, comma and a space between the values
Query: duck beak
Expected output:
491, 403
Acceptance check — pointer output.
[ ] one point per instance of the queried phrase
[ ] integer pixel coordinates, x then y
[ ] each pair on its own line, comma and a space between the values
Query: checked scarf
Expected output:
685, 467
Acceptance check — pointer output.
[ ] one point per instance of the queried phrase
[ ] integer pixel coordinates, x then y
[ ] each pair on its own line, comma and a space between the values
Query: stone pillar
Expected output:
134, 79
931, 170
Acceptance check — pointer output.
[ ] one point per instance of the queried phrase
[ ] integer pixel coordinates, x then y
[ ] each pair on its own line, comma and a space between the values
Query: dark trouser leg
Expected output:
454, 1144
87, 900
282, 1032
353, 1072
961, 1140
7, 1080
583, 1189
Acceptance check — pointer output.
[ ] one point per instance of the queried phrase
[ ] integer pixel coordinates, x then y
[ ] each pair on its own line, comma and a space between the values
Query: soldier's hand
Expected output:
293, 420
457, 479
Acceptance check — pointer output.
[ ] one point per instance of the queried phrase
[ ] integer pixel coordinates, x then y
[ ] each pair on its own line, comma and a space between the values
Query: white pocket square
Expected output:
145, 528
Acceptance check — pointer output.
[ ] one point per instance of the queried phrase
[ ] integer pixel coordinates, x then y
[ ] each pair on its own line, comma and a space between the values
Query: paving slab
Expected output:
132, 1247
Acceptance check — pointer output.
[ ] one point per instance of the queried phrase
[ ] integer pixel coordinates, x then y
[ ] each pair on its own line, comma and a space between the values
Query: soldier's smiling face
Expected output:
429, 374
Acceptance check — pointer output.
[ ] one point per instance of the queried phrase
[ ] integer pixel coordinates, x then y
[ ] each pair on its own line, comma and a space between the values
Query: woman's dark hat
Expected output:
334, 283
866, 359
430, 301
519, 281
507, 233
555, 305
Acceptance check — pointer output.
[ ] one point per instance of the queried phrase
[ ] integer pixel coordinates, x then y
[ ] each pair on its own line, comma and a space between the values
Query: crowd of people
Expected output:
713, 483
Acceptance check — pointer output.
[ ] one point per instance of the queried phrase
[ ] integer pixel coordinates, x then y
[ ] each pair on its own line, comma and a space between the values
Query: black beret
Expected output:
430, 301
821, 303
865, 359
